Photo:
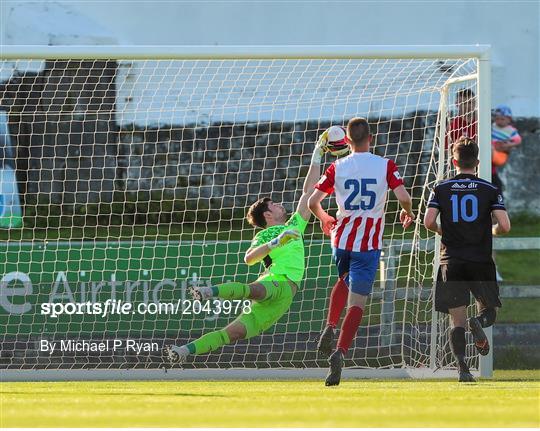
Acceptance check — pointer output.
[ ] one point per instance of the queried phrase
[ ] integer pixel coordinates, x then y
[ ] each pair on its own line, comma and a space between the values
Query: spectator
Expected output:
465, 122
504, 138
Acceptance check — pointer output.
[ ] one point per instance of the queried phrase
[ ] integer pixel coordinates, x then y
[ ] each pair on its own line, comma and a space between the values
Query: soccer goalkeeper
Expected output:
279, 246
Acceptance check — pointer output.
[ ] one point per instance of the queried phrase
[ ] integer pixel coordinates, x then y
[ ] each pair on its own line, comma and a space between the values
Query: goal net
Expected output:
134, 177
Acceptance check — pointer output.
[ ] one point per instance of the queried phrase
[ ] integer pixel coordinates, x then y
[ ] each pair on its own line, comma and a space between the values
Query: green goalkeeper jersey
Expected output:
289, 259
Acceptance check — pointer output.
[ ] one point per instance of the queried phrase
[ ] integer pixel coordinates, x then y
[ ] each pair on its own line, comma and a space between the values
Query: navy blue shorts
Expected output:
362, 268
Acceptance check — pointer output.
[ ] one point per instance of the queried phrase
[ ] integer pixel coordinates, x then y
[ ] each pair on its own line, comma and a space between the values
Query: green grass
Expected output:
519, 310
514, 310
509, 400
525, 225
516, 357
519, 266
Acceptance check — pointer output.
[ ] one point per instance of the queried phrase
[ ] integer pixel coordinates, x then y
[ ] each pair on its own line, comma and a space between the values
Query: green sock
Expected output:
208, 342
231, 290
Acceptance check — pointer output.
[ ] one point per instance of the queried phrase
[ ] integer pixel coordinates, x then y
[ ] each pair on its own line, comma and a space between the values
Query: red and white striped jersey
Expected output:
361, 181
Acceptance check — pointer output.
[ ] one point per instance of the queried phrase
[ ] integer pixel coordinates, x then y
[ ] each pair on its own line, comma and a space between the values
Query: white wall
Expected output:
512, 28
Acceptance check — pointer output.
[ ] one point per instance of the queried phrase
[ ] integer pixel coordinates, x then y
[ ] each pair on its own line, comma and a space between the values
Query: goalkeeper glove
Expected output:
320, 148
283, 238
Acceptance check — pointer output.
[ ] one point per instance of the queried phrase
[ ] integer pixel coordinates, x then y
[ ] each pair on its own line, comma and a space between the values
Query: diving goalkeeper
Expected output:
279, 246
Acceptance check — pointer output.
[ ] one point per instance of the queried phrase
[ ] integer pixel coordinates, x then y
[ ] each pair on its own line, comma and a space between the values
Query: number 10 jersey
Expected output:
465, 203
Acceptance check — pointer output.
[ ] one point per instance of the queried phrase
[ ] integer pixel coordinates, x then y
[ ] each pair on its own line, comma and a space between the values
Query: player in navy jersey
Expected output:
360, 181
467, 205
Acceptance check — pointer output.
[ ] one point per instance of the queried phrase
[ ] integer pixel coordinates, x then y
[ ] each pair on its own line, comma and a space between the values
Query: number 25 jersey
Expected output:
361, 182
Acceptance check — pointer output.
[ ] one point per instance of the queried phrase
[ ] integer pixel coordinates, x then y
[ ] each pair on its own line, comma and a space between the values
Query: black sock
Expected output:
487, 317
457, 344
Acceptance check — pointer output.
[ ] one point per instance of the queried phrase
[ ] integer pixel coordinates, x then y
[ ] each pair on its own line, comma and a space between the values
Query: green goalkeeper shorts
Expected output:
279, 296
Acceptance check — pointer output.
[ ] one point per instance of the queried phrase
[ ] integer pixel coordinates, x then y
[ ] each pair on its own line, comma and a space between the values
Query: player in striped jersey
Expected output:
360, 181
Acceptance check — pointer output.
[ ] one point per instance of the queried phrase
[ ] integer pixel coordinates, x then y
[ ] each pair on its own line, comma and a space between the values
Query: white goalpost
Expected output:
135, 166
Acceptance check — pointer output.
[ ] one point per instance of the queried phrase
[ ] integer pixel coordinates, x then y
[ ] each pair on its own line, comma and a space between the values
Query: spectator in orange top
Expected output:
504, 139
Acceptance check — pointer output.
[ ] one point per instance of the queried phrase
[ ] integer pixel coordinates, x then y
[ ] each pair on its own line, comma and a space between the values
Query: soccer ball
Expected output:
338, 143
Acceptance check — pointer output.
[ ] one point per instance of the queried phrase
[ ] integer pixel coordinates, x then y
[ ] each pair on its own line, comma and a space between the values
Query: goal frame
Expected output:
208, 52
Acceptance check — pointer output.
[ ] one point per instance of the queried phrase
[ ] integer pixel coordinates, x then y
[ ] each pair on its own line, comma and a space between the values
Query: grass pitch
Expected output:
511, 399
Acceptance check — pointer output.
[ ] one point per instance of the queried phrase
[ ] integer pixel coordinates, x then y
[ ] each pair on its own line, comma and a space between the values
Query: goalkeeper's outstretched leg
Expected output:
271, 295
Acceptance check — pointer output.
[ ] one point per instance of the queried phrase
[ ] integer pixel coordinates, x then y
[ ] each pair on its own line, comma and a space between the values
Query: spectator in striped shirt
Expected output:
504, 139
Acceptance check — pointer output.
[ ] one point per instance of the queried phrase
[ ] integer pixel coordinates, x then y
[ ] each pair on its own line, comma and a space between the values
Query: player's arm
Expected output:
430, 220
406, 216
499, 214
323, 188
327, 221
312, 176
503, 222
395, 182
258, 253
